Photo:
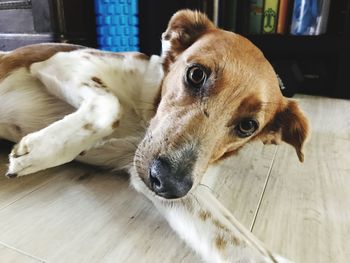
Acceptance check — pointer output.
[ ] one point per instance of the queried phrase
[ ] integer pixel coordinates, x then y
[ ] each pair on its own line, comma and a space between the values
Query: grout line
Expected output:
22, 252
264, 189
29, 193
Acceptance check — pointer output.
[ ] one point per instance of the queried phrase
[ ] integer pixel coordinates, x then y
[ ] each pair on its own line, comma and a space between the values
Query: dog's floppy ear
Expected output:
289, 125
184, 28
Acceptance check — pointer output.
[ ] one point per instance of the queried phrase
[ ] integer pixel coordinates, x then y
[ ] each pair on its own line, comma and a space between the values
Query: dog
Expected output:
164, 119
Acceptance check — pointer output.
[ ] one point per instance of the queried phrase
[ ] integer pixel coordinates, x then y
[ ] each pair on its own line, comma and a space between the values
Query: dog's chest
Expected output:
130, 125
117, 150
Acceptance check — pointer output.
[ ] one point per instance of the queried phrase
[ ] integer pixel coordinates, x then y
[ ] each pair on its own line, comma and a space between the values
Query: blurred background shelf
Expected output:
24, 22
300, 44
317, 65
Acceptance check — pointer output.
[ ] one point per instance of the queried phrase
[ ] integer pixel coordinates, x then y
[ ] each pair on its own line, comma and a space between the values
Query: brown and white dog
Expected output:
164, 119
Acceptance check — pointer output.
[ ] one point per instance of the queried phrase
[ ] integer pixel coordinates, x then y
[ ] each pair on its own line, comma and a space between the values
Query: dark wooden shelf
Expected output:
322, 60
280, 44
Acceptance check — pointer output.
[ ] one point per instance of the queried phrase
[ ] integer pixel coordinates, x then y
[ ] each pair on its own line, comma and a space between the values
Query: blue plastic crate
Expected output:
117, 25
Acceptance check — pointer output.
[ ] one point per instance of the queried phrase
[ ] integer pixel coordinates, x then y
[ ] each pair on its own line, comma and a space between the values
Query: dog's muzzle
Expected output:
172, 177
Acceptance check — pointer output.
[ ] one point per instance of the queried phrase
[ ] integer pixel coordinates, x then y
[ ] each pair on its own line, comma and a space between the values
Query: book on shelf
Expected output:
284, 16
310, 17
297, 17
255, 16
270, 16
322, 19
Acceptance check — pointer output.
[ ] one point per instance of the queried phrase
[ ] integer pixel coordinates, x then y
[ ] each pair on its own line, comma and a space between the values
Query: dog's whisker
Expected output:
195, 198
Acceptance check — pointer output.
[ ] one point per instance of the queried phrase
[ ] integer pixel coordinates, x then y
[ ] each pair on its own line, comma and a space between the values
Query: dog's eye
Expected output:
246, 127
196, 76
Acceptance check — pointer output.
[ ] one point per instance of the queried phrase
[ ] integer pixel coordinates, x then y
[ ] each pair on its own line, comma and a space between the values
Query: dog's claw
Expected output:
11, 175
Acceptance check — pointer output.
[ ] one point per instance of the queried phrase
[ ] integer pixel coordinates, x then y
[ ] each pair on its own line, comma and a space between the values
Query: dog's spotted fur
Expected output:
121, 111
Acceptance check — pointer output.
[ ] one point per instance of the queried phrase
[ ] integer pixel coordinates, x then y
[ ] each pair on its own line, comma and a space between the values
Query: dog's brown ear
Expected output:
289, 125
184, 28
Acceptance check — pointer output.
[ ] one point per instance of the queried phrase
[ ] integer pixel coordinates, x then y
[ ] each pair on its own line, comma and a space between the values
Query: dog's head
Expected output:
219, 92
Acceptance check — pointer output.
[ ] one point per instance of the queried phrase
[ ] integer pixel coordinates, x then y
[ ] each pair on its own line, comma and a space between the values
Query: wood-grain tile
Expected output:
238, 182
12, 190
85, 215
90, 217
328, 116
9, 255
305, 213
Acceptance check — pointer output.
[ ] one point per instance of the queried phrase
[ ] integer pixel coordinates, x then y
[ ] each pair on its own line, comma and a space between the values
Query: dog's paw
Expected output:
28, 156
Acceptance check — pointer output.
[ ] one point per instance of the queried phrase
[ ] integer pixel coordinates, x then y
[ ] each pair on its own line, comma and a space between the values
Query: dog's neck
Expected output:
148, 94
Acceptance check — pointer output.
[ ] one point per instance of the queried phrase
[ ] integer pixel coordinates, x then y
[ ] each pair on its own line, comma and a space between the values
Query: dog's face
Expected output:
219, 92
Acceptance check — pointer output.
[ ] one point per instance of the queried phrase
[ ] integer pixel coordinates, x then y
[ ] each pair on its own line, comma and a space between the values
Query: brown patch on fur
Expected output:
17, 128
235, 241
115, 124
188, 204
184, 28
26, 56
99, 53
290, 125
226, 155
295, 127
250, 105
82, 153
88, 127
218, 224
97, 80
204, 215
118, 55
140, 56
220, 242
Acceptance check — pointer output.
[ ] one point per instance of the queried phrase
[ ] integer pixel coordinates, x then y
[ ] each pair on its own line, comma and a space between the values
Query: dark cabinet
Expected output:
25, 22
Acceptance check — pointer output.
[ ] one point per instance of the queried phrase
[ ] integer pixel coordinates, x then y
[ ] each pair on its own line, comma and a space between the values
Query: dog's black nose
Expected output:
168, 181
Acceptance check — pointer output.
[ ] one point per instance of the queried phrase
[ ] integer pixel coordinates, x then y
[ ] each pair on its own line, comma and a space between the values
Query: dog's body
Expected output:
164, 119
133, 78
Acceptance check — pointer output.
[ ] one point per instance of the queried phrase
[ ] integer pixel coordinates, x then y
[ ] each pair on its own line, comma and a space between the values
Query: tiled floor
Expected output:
77, 213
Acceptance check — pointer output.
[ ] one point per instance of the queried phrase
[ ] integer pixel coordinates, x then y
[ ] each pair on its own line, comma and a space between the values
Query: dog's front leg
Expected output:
212, 231
96, 117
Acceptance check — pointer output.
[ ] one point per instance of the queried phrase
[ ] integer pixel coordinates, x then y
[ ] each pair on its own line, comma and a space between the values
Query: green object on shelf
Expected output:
270, 16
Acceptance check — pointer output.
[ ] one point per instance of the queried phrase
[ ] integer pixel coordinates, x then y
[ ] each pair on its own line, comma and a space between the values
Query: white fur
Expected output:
184, 217
165, 47
133, 83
